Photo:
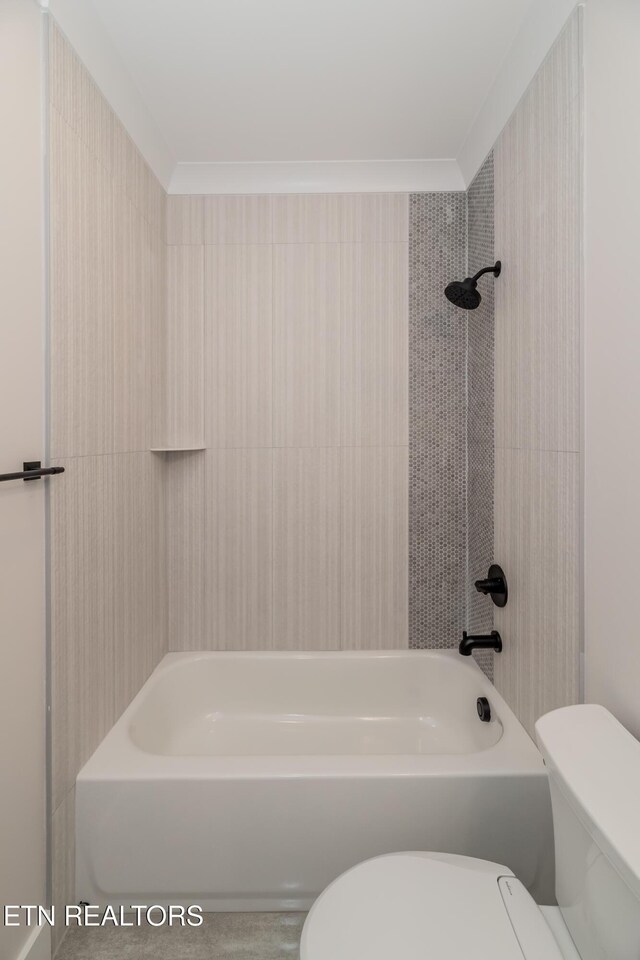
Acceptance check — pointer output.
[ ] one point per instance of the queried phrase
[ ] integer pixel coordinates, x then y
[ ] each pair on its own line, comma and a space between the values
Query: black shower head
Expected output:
464, 293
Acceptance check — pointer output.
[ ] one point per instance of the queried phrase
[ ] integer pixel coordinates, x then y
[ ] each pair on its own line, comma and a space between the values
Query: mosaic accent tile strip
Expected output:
437, 422
480, 404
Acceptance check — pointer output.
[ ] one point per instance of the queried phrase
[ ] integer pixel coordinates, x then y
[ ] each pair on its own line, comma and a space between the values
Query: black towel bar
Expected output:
32, 470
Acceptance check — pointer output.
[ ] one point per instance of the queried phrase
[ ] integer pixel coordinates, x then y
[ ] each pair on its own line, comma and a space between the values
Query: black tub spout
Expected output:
491, 642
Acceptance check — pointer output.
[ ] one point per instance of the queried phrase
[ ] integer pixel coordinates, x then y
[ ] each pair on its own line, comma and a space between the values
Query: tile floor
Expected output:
223, 936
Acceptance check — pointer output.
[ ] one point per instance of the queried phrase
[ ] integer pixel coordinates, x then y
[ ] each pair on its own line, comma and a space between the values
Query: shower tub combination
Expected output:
249, 781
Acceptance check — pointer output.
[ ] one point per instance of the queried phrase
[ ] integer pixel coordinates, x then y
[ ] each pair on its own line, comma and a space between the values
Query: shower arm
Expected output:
495, 270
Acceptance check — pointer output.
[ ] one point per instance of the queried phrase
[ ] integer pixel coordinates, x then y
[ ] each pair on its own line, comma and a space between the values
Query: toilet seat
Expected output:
416, 906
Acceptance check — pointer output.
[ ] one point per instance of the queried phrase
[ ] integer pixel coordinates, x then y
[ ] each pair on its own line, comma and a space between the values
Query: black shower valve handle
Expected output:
490, 585
494, 585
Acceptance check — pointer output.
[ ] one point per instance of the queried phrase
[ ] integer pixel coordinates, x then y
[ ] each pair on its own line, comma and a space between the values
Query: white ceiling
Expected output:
313, 80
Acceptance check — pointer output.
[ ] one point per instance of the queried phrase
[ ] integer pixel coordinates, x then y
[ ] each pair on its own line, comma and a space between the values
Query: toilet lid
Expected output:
420, 906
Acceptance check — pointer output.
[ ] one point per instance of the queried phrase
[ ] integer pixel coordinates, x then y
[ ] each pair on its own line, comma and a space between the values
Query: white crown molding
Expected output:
535, 38
368, 176
83, 28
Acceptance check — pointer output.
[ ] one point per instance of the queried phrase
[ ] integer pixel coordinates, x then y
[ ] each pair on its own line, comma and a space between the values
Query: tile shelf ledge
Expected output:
184, 449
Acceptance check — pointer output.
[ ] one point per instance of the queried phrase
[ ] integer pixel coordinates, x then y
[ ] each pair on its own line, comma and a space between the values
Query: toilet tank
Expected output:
594, 776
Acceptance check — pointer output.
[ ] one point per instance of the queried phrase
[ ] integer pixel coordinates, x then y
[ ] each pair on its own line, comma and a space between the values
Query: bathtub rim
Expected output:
118, 758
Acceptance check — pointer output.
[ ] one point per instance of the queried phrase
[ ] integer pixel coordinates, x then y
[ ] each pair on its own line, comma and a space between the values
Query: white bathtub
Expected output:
249, 781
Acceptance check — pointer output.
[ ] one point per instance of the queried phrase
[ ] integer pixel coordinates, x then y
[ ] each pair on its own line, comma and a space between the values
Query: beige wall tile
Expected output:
185, 220
97, 122
537, 236
82, 384
133, 177
536, 541
132, 323
306, 377
308, 218
537, 384
239, 549
83, 600
513, 336
107, 599
374, 485
346, 217
306, 546
184, 375
63, 852
157, 334
66, 81
509, 152
108, 623
102, 302
138, 192
139, 582
184, 499
237, 219
374, 344
374, 217
156, 203
127, 168
238, 345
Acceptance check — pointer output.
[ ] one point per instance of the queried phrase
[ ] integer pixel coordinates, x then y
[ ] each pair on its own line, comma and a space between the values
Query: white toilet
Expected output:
432, 906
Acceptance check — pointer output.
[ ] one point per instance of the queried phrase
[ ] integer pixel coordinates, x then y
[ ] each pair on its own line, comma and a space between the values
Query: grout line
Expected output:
332, 446
205, 621
273, 427
292, 243
203, 399
340, 637
47, 421
466, 427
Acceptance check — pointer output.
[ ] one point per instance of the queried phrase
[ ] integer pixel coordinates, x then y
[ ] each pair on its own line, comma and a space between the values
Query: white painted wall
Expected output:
22, 536
612, 358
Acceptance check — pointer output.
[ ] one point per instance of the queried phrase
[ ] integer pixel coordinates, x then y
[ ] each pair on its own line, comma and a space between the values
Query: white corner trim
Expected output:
533, 41
85, 32
368, 176
38, 945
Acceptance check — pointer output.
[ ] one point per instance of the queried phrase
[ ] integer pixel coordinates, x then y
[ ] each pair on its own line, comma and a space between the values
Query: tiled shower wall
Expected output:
106, 312
288, 340
537, 419
288, 530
